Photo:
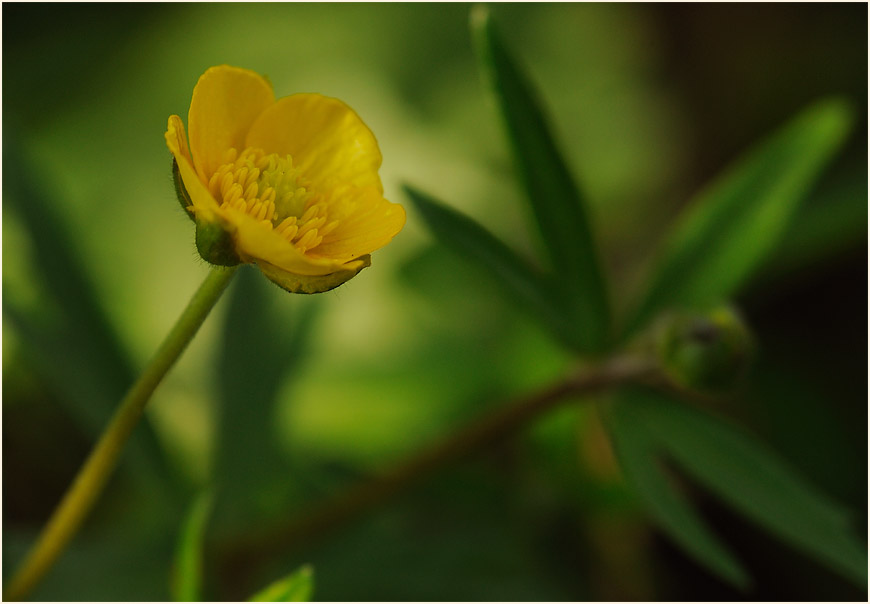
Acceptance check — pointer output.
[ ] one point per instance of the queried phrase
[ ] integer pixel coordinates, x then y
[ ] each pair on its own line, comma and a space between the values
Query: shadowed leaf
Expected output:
76, 350
264, 338
636, 450
753, 480
649, 428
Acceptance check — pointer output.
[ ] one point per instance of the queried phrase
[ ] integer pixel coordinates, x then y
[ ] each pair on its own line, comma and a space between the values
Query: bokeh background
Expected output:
283, 401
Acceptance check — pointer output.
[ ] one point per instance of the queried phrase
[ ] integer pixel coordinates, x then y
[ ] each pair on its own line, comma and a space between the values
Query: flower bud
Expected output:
704, 351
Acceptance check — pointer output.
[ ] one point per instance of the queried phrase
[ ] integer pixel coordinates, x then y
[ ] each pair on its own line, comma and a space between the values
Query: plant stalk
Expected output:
93, 475
246, 552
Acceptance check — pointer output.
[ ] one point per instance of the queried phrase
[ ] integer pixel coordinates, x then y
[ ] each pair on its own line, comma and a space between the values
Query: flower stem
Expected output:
92, 476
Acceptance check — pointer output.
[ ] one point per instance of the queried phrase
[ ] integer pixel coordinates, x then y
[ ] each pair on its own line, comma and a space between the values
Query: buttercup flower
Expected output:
291, 185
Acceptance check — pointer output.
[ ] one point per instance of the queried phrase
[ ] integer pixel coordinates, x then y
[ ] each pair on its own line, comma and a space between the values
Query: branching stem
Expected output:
248, 552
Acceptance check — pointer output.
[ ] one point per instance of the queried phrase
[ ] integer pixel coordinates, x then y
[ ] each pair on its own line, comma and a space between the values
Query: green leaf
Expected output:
78, 353
518, 279
187, 572
636, 447
752, 479
737, 221
558, 207
265, 336
834, 222
296, 587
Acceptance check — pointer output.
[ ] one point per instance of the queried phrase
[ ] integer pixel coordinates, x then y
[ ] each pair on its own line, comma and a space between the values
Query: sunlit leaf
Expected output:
518, 279
752, 479
733, 225
297, 587
558, 207
636, 450
187, 578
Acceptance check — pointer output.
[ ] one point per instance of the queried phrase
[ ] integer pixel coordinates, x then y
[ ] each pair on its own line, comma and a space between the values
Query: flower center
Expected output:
270, 189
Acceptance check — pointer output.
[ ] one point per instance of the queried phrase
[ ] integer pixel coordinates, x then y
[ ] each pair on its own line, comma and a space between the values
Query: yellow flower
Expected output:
291, 185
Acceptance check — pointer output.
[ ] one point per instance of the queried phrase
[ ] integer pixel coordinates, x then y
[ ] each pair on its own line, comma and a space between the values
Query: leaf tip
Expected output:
833, 116
480, 23
422, 203
409, 190
479, 17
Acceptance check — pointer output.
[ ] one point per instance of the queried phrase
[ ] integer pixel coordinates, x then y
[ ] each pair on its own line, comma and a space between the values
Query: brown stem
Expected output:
246, 553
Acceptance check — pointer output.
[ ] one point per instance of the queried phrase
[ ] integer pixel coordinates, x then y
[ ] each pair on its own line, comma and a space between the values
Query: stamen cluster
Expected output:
270, 189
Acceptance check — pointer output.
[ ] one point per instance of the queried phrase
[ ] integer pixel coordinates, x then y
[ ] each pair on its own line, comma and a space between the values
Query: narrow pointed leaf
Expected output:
187, 576
636, 452
737, 221
832, 224
752, 479
517, 278
558, 207
297, 587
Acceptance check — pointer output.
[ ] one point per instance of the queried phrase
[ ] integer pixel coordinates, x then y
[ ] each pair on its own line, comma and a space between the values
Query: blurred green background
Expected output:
282, 401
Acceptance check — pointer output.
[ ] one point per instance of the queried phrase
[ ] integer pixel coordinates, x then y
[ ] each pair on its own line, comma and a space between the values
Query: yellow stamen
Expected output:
271, 189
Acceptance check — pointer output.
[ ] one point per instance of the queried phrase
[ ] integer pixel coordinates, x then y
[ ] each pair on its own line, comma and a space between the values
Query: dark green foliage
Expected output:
650, 101
650, 428
637, 450
70, 338
715, 249
558, 207
265, 337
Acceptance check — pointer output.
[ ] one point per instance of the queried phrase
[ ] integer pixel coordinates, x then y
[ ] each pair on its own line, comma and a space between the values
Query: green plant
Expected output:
722, 239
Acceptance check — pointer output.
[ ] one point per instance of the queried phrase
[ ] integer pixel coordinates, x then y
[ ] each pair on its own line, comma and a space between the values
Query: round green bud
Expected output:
705, 351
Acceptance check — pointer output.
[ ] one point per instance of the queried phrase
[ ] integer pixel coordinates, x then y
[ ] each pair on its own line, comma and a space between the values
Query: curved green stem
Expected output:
92, 477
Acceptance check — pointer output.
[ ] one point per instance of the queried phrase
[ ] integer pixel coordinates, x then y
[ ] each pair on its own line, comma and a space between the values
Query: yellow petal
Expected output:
302, 284
226, 101
258, 242
366, 222
325, 137
203, 203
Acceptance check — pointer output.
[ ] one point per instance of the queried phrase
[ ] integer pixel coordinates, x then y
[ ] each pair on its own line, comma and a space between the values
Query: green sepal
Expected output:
215, 244
181, 191
311, 284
